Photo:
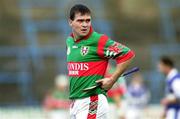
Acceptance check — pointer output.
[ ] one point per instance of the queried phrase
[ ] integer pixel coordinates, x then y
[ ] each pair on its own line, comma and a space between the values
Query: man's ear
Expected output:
70, 22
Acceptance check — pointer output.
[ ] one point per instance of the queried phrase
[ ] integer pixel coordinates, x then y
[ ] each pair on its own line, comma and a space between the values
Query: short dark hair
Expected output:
78, 8
167, 61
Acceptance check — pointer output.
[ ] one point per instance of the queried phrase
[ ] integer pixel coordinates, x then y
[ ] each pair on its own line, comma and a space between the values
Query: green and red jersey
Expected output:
87, 60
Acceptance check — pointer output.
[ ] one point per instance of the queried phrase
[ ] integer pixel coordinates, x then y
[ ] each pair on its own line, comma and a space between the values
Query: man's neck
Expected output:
76, 37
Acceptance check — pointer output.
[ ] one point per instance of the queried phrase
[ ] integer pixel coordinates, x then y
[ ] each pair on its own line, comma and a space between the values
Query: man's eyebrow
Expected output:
84, 19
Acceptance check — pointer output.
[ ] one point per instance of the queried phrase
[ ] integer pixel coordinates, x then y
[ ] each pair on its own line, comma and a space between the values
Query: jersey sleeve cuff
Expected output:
125, 57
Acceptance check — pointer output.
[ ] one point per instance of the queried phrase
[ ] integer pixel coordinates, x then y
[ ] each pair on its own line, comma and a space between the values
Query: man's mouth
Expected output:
84, 30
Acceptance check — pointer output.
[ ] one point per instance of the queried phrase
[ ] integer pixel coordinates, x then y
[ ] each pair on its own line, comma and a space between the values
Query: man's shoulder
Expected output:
69, 39
176, 77
97, 35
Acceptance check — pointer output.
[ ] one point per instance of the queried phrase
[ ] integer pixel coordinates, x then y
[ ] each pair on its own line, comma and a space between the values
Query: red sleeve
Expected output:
101, 44
125, 57
110, 49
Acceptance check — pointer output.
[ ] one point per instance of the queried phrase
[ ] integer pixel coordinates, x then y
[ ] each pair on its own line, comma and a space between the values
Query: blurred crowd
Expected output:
126, 100
56, 103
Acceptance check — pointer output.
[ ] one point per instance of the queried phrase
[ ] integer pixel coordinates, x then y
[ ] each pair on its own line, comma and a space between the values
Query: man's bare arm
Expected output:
107, 83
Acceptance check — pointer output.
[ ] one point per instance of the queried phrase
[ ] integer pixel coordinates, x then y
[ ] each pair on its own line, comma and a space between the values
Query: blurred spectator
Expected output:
116, 96
172, 99
56, 102
137, 98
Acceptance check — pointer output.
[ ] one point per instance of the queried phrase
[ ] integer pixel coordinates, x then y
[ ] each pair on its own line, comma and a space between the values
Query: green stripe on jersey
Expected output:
77, 84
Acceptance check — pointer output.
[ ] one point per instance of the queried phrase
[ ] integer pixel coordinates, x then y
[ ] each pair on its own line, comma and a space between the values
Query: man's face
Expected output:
162, 68
81, 24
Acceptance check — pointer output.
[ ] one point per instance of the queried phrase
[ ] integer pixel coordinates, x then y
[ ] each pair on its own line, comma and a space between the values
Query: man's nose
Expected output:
84, 24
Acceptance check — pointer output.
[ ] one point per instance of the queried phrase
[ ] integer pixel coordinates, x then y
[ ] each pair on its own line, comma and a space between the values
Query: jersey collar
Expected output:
85, 37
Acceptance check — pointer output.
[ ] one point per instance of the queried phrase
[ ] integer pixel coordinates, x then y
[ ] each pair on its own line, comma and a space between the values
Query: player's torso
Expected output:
82, 56
84, 65
170, 83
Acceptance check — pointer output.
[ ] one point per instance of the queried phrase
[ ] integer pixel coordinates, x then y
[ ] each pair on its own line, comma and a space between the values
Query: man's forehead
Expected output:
82, 16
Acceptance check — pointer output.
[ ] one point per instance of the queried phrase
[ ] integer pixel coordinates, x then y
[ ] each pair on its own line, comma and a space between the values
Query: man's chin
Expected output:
84, 34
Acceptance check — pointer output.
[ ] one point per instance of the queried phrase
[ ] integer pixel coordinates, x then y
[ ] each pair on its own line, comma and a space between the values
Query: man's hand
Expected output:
164, 102
106, 83
170, 99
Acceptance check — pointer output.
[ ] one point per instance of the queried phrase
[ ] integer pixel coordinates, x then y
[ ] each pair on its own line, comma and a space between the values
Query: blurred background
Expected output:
33, 50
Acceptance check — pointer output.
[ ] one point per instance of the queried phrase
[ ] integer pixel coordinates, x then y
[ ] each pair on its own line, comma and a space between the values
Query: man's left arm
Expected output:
123, 56
107, 83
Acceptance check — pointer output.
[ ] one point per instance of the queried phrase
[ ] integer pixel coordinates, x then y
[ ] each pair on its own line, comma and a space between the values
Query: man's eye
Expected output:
80, 21
88, 20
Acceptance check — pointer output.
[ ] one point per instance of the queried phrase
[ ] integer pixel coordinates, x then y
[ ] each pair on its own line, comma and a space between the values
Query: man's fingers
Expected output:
99, 81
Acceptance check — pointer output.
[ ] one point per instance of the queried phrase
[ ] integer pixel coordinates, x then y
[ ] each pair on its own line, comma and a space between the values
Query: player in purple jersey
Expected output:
172, 98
